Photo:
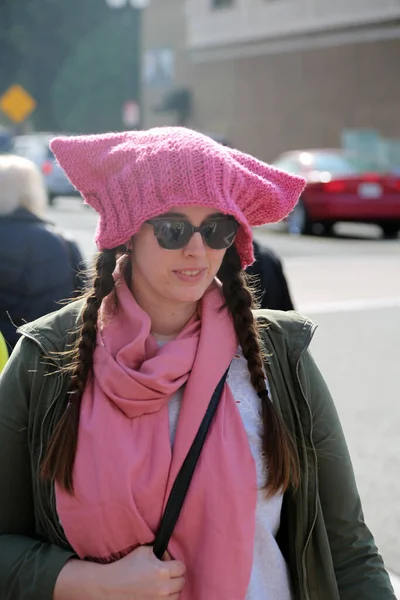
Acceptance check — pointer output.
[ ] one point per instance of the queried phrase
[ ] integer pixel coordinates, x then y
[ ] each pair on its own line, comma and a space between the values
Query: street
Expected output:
350, 286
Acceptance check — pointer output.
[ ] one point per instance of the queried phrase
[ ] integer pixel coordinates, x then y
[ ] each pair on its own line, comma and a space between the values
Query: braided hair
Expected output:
279, 448
60, 456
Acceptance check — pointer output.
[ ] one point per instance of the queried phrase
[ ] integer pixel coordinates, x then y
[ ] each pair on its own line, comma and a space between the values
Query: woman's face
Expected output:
174, 276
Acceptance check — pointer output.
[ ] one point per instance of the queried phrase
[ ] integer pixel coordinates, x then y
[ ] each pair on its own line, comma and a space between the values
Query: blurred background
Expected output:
312, 86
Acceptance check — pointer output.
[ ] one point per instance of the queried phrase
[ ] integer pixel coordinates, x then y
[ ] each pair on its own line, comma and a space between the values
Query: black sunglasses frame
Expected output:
157, 222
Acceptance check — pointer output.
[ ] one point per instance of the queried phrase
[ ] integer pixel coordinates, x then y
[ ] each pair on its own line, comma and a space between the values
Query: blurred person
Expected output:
39, 265
269, 280
101, 401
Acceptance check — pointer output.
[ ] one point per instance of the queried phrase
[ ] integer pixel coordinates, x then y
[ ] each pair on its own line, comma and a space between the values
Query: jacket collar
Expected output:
23, 215
286, 332
282, 332
54, 332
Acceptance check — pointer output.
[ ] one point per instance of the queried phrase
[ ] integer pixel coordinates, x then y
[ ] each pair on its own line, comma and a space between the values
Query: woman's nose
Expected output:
195, 246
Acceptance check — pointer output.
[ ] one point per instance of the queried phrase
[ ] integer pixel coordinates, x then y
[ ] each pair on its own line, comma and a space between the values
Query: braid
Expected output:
60, 456
279, 449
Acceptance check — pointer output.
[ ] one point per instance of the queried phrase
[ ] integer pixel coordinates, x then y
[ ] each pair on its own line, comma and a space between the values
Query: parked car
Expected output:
35, 146
342, 186
5, 141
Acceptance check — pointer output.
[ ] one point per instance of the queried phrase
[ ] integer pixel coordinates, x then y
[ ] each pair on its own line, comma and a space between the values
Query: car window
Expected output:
290, 165
365, 163
332, 163
31, 146
20, 148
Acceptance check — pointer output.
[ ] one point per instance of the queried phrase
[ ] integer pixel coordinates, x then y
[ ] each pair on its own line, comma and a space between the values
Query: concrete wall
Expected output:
270, 101
164, 26
269, 104
250, 20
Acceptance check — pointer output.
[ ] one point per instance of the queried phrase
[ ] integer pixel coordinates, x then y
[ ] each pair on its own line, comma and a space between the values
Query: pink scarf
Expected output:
125, 466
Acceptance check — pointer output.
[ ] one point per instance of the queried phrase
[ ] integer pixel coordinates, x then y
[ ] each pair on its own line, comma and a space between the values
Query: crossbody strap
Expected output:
184, 477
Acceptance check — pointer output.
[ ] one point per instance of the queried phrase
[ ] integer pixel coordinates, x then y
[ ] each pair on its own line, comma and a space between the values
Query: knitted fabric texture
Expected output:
132, 176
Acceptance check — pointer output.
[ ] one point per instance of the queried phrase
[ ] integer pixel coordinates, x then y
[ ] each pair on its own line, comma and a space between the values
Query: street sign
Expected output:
131, 114
17, 104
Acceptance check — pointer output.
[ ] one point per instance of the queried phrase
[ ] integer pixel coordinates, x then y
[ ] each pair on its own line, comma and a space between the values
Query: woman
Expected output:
93, 447
39, 266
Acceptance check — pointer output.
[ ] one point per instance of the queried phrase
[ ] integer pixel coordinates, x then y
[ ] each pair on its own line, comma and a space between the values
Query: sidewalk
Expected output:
396, 584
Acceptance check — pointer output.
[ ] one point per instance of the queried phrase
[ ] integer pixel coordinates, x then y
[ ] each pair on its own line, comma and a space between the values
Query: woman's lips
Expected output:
190, 275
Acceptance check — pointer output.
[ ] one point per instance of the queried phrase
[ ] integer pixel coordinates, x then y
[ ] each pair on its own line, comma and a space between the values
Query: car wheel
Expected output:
327, 229
51, 199
390, 231
299, 222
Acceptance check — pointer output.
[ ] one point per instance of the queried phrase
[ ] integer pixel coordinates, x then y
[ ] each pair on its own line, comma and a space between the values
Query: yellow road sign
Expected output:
17, 104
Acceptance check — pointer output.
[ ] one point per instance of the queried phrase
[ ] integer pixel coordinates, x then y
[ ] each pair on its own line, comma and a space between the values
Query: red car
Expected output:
341, 188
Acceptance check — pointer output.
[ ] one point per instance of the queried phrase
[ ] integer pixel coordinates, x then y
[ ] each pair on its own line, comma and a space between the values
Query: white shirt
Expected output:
269, 577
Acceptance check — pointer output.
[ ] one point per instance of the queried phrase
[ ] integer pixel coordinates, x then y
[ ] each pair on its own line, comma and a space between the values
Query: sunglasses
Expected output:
174, 233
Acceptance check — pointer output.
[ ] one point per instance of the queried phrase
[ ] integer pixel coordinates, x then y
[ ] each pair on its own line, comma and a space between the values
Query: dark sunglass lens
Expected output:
220, 234
172, 235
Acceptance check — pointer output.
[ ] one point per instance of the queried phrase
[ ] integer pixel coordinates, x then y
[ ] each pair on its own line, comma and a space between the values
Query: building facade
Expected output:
276, 75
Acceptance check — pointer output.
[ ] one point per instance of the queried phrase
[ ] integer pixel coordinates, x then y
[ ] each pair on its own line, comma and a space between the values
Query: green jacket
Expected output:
329, 549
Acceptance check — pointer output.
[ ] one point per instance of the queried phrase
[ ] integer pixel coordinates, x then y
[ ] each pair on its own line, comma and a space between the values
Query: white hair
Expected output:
21, 186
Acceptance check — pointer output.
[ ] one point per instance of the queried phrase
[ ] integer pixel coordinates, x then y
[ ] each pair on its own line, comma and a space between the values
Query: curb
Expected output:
395, 579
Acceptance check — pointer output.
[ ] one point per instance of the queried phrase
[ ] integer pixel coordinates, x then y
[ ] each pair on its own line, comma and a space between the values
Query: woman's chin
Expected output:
190, 293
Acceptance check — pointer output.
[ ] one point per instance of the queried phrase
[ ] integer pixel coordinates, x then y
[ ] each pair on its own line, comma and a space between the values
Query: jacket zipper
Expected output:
56, 396
307, 591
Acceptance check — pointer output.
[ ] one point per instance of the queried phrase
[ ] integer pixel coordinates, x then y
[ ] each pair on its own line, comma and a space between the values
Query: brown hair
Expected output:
60, 455
279, 448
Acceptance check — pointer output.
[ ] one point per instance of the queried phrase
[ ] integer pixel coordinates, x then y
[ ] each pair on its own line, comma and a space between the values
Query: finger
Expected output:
175, 586
176, 569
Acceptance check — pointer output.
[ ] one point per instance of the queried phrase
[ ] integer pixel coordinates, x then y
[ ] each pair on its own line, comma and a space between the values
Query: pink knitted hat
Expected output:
132, 176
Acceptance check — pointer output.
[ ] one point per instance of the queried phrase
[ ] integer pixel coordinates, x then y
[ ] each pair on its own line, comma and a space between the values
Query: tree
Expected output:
43, 46
97, 78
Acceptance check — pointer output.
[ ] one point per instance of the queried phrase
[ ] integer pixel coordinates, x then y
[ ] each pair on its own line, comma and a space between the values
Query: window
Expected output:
290, 165
222, 3
331, 162
335, 162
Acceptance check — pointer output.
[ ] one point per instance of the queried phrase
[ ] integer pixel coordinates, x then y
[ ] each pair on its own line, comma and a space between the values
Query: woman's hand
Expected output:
141, 576
137, 576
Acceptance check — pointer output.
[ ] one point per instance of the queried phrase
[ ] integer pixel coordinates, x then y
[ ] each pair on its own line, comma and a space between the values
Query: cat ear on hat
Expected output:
103, 169
268, 194
72, 154
86, 161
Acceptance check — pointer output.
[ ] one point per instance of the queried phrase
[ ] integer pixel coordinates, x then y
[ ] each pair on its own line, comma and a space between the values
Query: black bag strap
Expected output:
184, 477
